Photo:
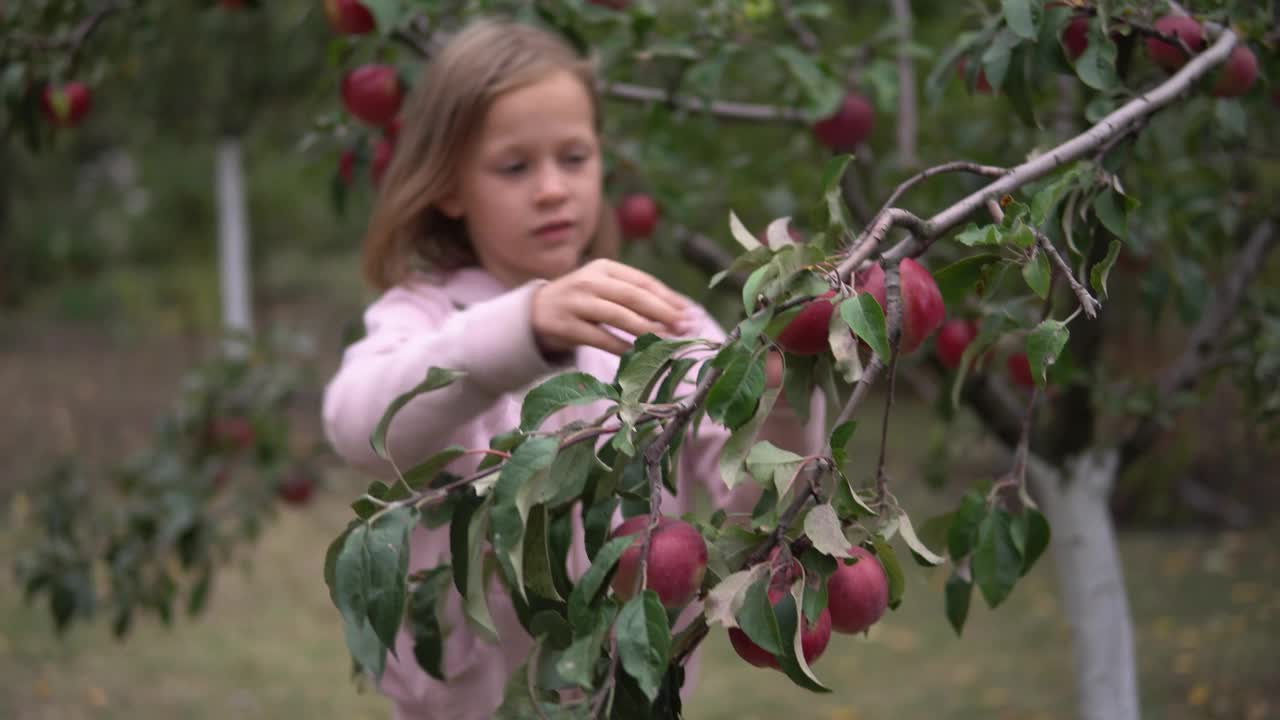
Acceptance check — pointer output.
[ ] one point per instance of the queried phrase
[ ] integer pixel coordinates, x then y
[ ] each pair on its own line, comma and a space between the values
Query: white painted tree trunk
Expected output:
1091, 582
233, 247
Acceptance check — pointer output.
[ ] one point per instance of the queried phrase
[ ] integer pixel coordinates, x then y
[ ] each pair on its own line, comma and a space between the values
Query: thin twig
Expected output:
1088, 303
804, 36
874, 234
893, 297
726, 109
602, 695
957, 166
860, 390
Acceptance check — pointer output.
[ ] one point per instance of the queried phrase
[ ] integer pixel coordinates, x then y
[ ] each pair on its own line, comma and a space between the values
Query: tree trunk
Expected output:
233, 246
1091, 581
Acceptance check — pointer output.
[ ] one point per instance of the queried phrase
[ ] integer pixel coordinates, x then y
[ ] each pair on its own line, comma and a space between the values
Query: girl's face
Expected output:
529, 188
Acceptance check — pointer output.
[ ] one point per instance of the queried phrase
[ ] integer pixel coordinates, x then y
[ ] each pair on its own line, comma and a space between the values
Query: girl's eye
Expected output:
512, 168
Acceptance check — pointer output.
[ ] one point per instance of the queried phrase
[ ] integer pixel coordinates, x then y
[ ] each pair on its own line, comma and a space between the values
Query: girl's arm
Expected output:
408, 331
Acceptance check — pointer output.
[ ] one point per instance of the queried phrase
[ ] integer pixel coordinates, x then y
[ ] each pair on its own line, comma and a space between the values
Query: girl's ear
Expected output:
450, 205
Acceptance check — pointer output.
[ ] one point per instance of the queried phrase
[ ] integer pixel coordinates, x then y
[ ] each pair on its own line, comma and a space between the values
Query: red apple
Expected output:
922, 310
1171, 57
67, 105
1019, 367
980, 85
372, 93
953, 337
347, 166
848, 126
1238, 73
638, 216
806, 334
296, 488
813, 638
234, 433
392, 129
676, 563
382, 152
349, 17
857, 594
1075, 37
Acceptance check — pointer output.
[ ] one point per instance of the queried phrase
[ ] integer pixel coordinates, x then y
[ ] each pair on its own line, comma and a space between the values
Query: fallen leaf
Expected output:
1183, 663
97, 697
1198, 695
1246, 593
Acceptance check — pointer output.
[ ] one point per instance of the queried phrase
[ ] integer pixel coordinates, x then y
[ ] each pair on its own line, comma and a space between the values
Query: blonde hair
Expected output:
441, 118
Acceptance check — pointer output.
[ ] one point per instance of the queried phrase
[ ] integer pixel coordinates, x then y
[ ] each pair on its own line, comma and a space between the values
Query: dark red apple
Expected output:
66, 105
922, 310
813, 638
1169, 56
296, 488
1019, 367
1075, 37
392, 130
638, 216
857, 594
980, 84
349, 17
676, 563
953, 337
848, 126
372, 93
347, 166
235, 433
382, 152
806, 334
1238, 73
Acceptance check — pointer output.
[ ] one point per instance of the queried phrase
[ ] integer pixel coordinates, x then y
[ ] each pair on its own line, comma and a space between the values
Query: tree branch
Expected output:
1088, 303
727, 109
956, 166
1205, 338
1089, 141
804, 36
706, 254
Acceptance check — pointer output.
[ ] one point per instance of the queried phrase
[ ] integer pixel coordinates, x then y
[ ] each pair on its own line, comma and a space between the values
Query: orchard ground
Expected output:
1206, 606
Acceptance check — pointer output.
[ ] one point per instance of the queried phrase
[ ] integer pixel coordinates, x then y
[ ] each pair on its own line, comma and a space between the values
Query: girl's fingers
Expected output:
638, 301
598, 337
648, 283
603, 311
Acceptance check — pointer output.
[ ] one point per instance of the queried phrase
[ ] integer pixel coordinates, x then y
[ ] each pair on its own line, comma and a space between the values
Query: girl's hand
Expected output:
572, 310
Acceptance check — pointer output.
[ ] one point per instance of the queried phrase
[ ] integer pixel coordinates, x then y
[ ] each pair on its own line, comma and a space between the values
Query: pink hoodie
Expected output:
468, 321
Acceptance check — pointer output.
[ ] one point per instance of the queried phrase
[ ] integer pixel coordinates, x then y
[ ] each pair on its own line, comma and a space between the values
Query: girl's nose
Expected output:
552, 184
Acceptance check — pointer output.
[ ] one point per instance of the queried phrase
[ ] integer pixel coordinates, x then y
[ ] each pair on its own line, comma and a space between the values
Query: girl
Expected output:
491, 243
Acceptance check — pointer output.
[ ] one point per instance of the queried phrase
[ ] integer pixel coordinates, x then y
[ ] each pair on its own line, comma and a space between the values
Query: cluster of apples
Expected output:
1235, 78
371, 93
857, 592
234, 434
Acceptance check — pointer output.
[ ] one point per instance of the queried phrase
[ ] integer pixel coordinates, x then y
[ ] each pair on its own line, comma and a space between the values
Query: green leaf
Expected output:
421, 476
1098, 275
644, 641
370, 573
522, 484
1017, 86
962, 538
570, 471
958, 593
789, 612
1044, 344
1023, 17
769, 463
1037, 539
863, 314
577, 664
797, 384
1111, 209
1022, 235
574, 388
436, 379
909, 535
1096, 67
424, 620
973, 235
1037, 273
476, 599
538, 576
996, 563
588, 588
823, 91
837, 217
386, 14
822, 526
638, 376
889, 559
1231, 119
997, 57
1048, 197
741, 440
958, 279
736, 393
840, 438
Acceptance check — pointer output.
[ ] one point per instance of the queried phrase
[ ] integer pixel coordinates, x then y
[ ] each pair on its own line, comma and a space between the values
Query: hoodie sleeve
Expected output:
408, 331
